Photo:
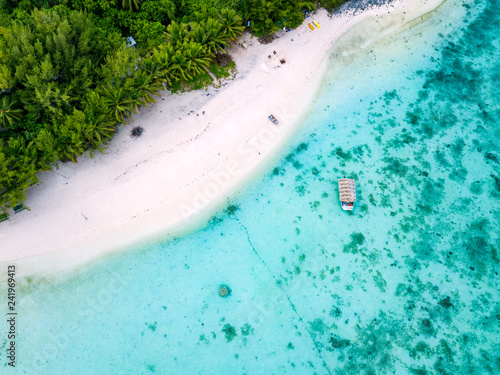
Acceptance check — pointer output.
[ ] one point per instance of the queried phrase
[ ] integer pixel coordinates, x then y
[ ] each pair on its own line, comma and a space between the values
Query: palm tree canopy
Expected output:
8, 114
176, 33
231, 22
118, 102
131, 4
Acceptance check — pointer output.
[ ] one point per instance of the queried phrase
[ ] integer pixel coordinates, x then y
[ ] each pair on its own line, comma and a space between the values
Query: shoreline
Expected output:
197, 149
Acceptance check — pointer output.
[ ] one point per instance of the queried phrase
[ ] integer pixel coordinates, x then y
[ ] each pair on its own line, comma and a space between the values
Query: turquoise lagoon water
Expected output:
407, 283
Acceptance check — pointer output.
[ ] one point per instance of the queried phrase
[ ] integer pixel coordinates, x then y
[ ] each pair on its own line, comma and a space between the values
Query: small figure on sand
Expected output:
269, 57
274, 52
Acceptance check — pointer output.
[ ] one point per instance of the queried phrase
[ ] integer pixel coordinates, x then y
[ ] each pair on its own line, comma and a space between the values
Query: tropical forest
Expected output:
72, 71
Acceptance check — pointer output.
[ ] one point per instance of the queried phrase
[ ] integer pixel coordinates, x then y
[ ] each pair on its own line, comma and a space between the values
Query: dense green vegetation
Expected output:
68, 78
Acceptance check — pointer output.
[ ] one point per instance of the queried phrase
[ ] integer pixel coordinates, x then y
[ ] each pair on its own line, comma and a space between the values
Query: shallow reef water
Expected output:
406, 283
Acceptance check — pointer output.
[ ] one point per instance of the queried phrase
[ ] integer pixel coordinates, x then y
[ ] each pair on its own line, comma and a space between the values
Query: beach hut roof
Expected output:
131, 42
347, 190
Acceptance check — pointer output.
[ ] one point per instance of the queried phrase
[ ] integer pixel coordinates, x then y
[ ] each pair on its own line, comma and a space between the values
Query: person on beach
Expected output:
269, 57
274, 52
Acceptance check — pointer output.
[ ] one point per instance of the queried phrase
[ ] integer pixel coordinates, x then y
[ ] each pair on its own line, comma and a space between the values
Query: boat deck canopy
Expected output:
347, 190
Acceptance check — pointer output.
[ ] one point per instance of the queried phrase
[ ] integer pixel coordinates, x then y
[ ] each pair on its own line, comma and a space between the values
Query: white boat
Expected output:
347, 193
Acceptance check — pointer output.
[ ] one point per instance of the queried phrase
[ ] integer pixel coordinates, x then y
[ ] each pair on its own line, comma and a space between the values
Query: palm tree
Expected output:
146, 86
9, 115
215, 36
197, 59
153, 68
179, 71
177, 33
118, 103
174, 63
198, 34
98, 128
232, 26
131, 4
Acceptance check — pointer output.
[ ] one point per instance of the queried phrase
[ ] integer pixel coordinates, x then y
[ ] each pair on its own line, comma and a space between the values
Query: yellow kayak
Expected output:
317, 24
311, 27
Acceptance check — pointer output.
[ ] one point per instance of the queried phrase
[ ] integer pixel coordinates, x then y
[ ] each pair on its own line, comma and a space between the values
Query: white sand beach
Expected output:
197, 151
